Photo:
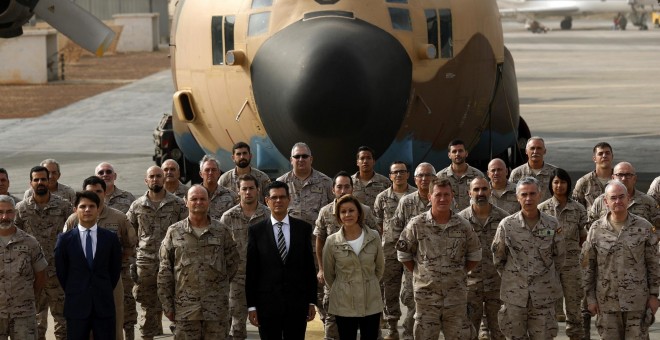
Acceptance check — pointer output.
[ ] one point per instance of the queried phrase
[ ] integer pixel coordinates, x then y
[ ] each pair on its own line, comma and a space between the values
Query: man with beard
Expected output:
172, 174
242, 156
23, 275
535, 167
55, 188
221, 198
114, 197
483, 281
42, 215
4, 185
151, 215
459, 173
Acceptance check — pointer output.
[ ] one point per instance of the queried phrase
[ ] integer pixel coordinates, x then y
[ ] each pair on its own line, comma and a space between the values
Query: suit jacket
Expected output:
271, 284
86, 289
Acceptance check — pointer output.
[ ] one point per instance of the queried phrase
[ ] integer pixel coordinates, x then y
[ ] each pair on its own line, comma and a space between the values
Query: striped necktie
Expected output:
281, 243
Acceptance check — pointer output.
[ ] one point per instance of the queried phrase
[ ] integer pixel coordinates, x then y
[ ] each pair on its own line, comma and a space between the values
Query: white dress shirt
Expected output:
83, 238
286, 229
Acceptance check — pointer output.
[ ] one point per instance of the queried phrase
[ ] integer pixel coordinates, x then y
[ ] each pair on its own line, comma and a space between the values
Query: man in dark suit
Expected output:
88, 264
280, 282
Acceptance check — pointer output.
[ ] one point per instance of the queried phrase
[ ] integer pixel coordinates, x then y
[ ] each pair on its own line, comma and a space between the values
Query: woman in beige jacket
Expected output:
353, 264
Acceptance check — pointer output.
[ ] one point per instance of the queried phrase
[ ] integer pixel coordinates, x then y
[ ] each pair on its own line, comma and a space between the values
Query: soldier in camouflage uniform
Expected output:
309, 190
459, 173
654, 189
503, 192
117, 222
242, 156
572, 218
622, 274
198, 259
172, 174
327, 225
114, 197
639, 204
55, 188
384, 208
22, 278
483, 281
367, 183
221, 198
151, 215
528, 252
592, 185
247, 212
440, 247
4, 185
42, 215
410, 206
535, 166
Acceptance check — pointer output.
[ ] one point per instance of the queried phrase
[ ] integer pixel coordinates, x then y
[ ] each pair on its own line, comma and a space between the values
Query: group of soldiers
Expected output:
461, 251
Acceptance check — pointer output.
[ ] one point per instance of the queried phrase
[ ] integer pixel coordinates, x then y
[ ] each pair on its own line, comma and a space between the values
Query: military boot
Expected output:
392, 330
586, 325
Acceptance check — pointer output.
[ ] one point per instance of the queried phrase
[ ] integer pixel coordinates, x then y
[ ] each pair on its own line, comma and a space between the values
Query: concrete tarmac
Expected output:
576, 88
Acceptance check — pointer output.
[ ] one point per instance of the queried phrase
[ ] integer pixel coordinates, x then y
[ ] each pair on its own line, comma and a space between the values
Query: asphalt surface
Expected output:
576, 88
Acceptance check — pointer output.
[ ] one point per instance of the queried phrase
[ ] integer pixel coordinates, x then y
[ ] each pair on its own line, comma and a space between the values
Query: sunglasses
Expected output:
303, 156
104, 172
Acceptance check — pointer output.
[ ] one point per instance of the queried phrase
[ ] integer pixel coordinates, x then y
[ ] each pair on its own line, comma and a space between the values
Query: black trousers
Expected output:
368, 326
101, 328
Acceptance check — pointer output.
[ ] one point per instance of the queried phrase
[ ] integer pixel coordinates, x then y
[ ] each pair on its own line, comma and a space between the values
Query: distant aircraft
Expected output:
70, 19
533, 9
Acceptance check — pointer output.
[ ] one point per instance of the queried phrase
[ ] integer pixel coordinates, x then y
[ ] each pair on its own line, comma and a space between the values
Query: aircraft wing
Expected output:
546, 8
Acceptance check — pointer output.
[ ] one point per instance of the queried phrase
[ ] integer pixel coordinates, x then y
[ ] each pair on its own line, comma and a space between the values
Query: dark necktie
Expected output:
89, 252
281, 243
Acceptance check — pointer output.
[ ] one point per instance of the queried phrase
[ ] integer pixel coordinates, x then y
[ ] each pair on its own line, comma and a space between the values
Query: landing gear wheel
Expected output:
566, 24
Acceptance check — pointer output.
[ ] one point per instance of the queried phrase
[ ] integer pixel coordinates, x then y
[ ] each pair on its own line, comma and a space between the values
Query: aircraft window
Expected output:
258, 23
261, 3
229, 32
216, 40
397, 1
400, 19
432, 27
446, 34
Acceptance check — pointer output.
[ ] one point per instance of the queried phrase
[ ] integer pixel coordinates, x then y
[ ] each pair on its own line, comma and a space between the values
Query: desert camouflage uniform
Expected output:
440, 253
544, 177
654, 189
222, 199
460, 186
572, 226
366, 193
640, 204
507, 200
229, 180
194, 276
64, 191
120, 200
409, 206
16, 199
622, 270
238, 224
325, 226
384, 209
117, 222
151, 223
181, 191
587, 189
483, 281
21, 258
45, 223
529, 260
307, 199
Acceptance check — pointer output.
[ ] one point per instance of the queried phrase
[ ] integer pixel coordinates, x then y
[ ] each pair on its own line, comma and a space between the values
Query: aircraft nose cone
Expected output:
334, 83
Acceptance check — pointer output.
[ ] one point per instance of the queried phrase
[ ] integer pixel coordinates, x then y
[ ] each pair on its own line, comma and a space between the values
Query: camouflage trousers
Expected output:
51, 296
24, 328
408, 300
331, 332
200, 330
485, 303
391, 283
530, 322
571, 277
238, 307
621, 325
453, 321
130, 309
145, 292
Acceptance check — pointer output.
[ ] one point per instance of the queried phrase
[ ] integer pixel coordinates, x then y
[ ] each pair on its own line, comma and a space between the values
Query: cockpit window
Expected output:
261, 3
400, 19
258, 23
397, 1
432, 27
216, 40
446, 34
229, 32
